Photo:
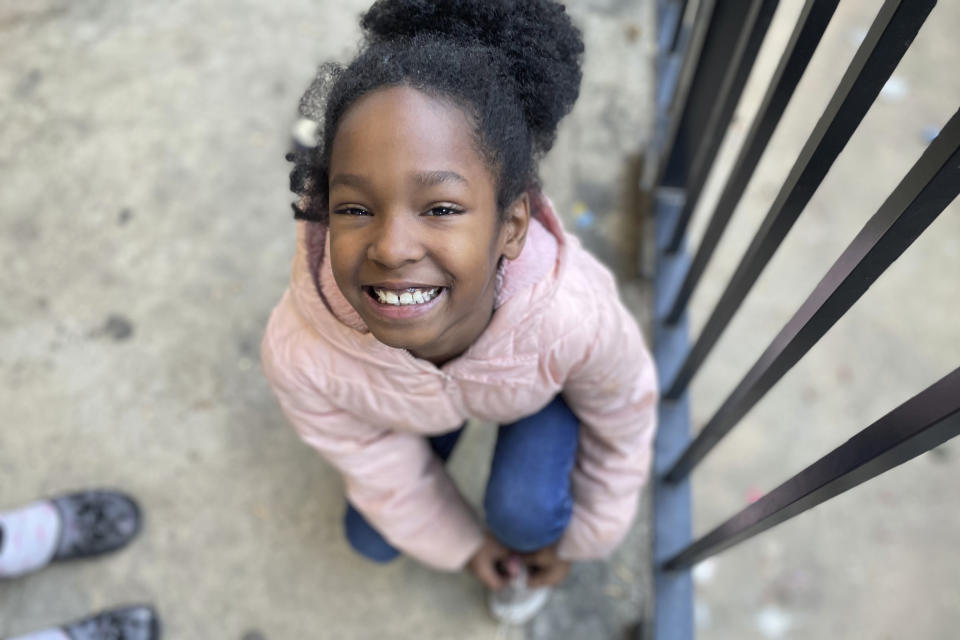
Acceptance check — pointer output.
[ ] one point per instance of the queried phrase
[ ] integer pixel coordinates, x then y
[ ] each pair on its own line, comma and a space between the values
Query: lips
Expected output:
403, 296
394, 302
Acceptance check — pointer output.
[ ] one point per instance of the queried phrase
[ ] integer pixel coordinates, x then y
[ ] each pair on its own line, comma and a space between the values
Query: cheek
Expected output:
344, 260
480, 251
473, 261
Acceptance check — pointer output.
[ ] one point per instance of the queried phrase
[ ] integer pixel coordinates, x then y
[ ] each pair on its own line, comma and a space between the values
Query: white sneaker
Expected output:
517, 603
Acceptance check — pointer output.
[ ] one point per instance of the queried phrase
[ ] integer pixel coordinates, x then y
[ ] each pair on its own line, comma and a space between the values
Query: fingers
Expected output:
488, 576
494, 565
544, 567
545, 556
484, 564
495, 548
513, 565
549, 576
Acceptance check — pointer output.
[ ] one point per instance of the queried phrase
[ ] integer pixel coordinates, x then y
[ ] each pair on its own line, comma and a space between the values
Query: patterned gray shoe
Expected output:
95, 522
124, 623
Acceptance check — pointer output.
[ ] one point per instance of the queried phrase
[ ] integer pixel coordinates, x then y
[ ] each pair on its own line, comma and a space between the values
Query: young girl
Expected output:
433, 283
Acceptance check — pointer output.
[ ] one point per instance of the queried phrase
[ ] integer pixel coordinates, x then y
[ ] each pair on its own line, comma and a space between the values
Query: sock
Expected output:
46, 634
30, 537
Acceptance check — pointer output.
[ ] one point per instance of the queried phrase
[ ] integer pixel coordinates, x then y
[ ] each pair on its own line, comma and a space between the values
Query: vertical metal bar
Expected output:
811, 24
674, 61
889, 37
724, 32
741, 63
922, 195
672, 96
671, 53
675, 36
925, 421
670, 19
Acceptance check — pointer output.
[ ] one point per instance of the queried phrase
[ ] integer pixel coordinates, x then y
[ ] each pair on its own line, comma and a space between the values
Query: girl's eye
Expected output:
444, 211
352, 211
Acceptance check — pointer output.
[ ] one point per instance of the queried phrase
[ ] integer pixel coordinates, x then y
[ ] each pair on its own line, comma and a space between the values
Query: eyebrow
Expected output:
349, 180
423, 179
432, 178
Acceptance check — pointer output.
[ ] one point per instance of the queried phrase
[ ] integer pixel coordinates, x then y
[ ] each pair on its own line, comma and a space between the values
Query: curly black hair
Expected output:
513, 66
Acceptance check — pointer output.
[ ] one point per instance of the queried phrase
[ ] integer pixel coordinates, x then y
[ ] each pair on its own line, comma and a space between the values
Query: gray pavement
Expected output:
146, 235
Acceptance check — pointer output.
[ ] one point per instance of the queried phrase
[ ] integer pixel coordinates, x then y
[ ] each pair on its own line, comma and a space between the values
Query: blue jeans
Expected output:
527, 502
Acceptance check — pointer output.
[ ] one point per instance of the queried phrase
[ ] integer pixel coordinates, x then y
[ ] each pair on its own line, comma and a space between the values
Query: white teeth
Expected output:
411, 296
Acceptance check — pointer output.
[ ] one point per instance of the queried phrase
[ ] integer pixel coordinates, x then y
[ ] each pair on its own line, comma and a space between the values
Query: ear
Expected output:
513, 229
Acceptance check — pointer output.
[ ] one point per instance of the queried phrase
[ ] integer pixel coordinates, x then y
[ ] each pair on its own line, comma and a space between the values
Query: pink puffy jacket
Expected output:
559, 326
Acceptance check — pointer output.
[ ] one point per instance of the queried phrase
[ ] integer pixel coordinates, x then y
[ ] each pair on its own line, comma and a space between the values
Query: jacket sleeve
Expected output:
392, 478
613, 391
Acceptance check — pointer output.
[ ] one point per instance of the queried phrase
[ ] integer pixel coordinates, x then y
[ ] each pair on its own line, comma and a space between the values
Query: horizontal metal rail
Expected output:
922, 195
811, 24
891, 34
672, 527
920, 424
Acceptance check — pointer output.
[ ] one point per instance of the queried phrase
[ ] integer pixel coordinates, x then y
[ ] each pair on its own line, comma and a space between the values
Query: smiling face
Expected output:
415, 236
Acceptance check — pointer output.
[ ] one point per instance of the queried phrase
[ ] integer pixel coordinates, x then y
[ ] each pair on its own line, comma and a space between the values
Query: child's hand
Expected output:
544, 568
483, 564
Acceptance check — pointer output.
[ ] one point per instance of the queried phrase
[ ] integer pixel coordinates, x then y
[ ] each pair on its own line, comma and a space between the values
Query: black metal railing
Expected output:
707, 49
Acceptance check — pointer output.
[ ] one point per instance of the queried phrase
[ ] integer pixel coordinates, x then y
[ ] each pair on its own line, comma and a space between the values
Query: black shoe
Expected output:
123, 623
95, 522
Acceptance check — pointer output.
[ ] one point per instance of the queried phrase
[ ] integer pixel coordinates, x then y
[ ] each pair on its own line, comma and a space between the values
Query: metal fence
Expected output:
707, 49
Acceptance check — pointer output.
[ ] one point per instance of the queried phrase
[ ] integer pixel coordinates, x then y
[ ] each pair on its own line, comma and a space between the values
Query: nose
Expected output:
395, 242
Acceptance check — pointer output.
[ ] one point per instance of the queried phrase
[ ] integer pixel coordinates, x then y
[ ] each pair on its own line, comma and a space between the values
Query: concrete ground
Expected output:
882, 560
146, 234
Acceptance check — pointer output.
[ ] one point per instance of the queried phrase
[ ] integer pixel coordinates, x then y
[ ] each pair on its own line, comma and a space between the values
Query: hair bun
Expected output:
539, 44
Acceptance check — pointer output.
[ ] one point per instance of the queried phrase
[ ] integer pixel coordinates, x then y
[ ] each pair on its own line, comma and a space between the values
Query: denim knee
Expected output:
366, 540
526, 522
528, 500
